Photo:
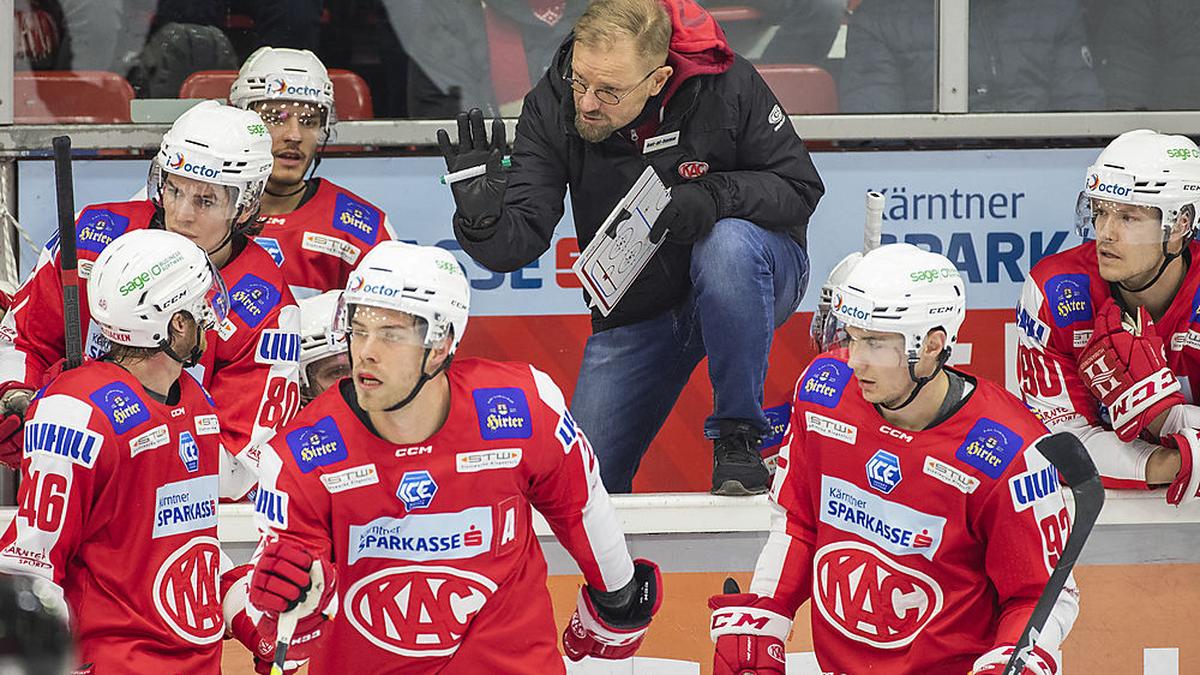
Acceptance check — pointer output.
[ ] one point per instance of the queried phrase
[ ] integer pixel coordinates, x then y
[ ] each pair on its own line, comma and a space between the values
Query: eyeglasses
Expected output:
605, 96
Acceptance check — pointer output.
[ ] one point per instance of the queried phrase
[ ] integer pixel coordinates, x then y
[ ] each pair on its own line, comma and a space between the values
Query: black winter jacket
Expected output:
758, 168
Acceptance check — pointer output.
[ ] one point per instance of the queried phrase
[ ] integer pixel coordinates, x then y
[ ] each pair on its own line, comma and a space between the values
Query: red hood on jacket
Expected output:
698, 45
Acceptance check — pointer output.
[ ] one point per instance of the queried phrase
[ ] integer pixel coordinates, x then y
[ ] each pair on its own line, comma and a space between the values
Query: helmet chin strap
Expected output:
1167, 258
920, 381
192, 358
425, 377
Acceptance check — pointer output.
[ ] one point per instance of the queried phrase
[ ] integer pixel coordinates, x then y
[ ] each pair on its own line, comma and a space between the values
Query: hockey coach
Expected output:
650, 82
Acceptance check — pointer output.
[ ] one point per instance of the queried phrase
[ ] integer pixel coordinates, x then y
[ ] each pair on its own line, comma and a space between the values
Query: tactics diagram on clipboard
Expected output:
622, 247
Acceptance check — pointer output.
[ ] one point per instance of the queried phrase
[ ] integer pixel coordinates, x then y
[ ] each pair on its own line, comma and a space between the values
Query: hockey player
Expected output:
117, 502
205, 184
1094, 319
410, 486
909, 503
323, 353
315, 230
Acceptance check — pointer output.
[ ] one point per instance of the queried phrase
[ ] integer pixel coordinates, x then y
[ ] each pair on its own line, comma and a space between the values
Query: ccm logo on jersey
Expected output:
185, 506
894, 527
419, 610
895, 433
414, 451
185, 591
432, 536
871, 598
355, 476
155, 438
950, 475
482, 460
830, 428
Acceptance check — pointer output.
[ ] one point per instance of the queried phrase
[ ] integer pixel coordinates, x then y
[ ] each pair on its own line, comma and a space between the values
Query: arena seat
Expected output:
70, 97
350, 92
801, 89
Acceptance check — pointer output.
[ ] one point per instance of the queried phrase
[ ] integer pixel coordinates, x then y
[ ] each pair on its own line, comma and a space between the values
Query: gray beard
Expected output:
592, 134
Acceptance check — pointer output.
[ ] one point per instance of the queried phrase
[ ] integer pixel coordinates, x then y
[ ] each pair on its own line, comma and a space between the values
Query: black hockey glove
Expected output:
479, 199
613, 625
689, 216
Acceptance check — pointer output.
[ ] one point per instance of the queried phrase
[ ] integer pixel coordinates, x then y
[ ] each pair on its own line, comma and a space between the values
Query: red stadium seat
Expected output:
801, 89
70, 97
350, 92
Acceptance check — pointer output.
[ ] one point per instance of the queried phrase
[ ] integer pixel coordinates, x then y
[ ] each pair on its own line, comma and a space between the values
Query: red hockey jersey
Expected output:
438, 566
118, 507
251, 367
920, 550
318, 244
1055, 318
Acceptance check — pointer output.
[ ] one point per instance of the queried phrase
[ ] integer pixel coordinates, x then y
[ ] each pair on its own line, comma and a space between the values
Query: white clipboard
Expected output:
622, 247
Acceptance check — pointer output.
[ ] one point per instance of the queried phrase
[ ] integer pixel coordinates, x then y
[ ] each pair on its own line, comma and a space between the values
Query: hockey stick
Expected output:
1069, 456
873, 227
69, 263
286, 627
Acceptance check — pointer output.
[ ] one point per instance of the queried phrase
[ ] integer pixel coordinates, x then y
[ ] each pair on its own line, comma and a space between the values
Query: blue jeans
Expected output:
746, 281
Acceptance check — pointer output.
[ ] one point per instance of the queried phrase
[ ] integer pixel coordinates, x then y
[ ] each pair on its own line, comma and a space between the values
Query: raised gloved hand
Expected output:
1125, 367
15, 398
479, 199
1186, 486
287, 577
749, 631
689, 216
613, 625
1039, 662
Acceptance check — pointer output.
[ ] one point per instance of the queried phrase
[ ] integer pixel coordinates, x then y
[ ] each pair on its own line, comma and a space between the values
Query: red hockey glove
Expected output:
283, 579
614, 632
1039, 662
749, 631
1186, 486
1128, 371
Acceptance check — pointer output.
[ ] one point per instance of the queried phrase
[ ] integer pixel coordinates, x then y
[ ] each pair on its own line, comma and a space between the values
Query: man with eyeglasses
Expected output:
647, 82
315, 230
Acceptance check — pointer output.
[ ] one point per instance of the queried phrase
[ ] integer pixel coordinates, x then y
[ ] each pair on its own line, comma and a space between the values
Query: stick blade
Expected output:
1068, 455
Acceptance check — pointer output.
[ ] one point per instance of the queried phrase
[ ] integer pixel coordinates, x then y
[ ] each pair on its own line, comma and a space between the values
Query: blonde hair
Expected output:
644, 21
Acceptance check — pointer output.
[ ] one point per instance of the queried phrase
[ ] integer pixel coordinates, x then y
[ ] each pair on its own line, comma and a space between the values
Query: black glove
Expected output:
478, 199
689, 216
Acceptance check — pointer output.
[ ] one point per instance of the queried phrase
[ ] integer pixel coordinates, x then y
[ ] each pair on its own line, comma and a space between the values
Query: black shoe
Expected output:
738, 469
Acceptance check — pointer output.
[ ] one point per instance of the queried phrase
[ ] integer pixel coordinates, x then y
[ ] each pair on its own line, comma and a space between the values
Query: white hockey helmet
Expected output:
1143, 168
284, 74
143, 278
317, 337
899, 288
217, 144
424, 281
828, 333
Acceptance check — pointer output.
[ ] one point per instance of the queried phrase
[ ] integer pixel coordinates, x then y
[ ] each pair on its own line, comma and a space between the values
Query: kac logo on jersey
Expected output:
121, 406
271, 246
990, 447
252, 299
416, 490
97, 229
1070, 299
318, 445
356, 219
883, 471
189, 452
825, 382
503, 413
